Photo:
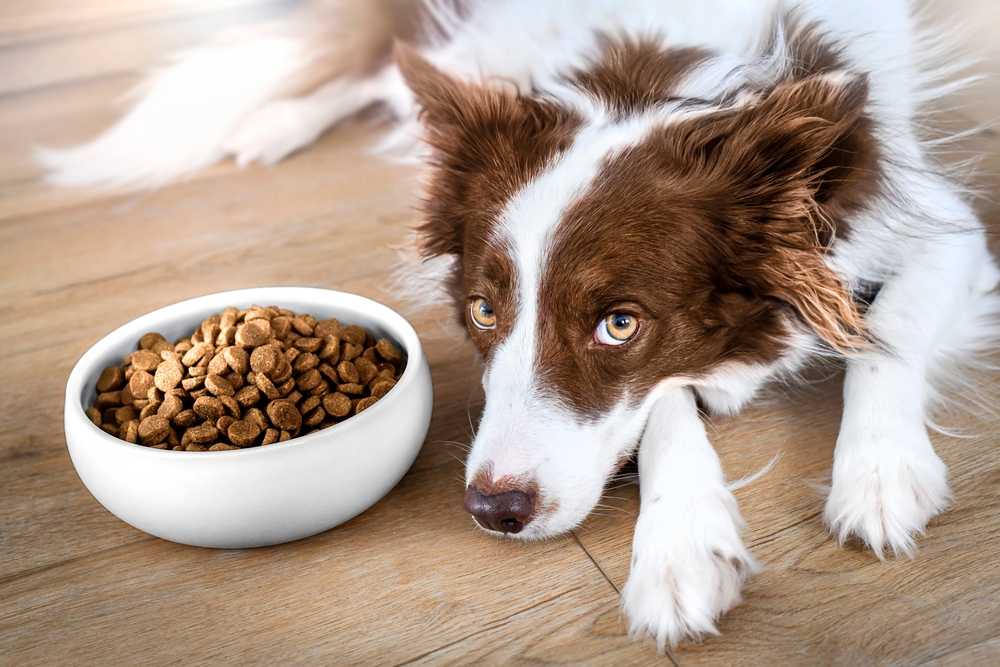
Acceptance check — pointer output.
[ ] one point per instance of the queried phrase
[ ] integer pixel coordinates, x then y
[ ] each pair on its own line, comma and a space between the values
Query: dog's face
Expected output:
601, 258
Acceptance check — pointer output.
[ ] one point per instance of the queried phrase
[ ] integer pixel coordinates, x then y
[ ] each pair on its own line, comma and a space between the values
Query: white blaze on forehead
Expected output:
529, 221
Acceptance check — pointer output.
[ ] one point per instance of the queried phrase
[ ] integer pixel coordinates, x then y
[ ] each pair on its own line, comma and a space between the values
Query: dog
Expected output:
640, 210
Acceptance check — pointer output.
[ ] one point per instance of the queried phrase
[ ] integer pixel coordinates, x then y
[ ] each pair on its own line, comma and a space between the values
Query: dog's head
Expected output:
610, 245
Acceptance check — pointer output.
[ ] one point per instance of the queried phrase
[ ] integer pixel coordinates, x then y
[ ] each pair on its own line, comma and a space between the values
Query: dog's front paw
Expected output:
885, 493
271, 133
683, 578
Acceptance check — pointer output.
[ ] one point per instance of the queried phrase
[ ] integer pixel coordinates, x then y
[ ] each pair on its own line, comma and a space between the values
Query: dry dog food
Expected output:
244, 378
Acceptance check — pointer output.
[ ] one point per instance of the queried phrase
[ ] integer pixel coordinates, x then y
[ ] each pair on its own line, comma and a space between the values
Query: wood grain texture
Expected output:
411, 581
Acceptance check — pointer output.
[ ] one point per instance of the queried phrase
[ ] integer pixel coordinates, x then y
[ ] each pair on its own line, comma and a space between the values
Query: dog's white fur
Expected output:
921, 240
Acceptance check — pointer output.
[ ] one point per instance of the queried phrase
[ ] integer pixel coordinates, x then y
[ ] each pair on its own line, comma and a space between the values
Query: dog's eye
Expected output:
615, 329
482, 314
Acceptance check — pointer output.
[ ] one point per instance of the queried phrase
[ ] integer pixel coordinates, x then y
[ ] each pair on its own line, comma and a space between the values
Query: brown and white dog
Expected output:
639, 208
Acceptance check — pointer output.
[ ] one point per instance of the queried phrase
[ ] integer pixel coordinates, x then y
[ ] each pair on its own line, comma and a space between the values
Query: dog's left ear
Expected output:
487, 141
797, 162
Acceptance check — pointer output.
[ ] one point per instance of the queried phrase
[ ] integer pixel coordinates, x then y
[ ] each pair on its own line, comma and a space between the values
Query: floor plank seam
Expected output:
596, 564
608, 579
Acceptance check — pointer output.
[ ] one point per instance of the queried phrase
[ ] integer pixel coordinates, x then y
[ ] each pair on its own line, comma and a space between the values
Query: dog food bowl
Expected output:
261, 495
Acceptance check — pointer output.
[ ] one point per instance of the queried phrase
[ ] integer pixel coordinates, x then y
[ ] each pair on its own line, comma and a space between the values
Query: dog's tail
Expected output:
184, 113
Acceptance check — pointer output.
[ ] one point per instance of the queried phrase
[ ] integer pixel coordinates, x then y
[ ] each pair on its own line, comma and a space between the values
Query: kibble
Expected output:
244, 378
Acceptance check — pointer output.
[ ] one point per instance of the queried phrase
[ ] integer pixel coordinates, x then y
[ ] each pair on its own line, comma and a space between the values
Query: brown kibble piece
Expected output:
112, 378
218, 385
149, 340
264, 360
267, 387
130, 432
221, 447
94, 415
209, 408
168, 375
248, 395
352, 333
161, 347
238, 381
281, 325
243, 433
257, 416
140, 383
322, 389
203, 433
301, 327
305, 362
108, 399
330, 327
232, 407
364, 404
145, 360
270, 436
380, 388
197, 353
309, 380
153, 430
329, 371
351, 388
192, 383
170, 407
388, 351
349, 351
253, 334
186, 418
313, 419
366, 370
126, 413
309, 344
227, 317
309, 404
285, 436
218, 365
348, 372
195, 447
237, 358
331, 349
282, 373
337, 404
284, 415
224, 422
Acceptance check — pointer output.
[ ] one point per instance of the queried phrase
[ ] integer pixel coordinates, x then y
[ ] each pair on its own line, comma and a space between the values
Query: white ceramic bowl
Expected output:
263, 495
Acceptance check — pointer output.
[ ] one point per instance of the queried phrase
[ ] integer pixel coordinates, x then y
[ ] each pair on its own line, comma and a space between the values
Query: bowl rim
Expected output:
399, 326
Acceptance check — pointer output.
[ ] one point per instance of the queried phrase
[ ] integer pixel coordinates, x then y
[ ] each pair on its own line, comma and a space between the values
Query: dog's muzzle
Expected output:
506, 512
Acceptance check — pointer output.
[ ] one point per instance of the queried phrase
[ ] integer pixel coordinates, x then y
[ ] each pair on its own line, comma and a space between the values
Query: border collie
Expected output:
641, 209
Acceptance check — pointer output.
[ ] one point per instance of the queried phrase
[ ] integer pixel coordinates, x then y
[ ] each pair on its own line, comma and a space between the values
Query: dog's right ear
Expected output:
487, 141
444, 102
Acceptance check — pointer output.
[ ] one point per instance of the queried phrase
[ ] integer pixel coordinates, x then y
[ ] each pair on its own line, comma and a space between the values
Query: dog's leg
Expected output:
688, 556
887, 479
282, 127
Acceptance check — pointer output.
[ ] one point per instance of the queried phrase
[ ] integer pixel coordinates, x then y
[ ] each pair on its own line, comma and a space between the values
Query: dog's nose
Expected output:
505, 512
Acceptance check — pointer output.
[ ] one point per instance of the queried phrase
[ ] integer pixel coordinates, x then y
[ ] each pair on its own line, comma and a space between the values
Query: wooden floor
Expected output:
411, 580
